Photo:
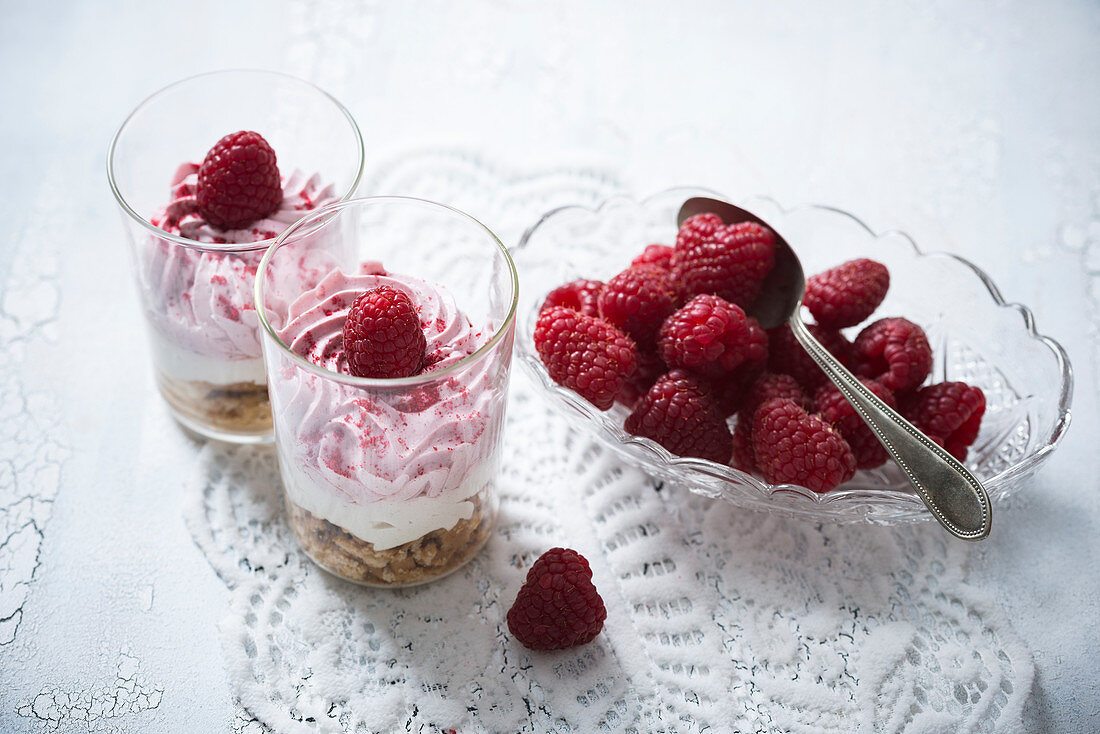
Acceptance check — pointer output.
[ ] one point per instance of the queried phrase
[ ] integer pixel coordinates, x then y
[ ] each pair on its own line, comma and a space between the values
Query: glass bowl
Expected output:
976, 337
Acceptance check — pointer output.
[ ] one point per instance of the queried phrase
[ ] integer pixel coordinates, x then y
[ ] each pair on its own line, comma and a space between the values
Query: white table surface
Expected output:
973, 126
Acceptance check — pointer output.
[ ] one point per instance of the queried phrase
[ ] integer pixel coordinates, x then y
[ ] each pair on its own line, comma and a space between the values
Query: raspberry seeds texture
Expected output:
382, 335
894, 352
708, 335
949, 411
585, 354
847, 294
637, 301
558, 606
792, 446
239, 181
679, 413
727, 261
580, 295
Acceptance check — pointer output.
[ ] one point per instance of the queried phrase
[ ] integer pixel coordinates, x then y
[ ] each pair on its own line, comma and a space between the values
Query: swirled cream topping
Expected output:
200, 301
354, 445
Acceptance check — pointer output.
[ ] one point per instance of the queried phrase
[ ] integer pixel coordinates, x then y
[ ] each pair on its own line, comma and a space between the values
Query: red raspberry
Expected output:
584, 353
679, 413
770, 386
557, 606
239, 181
949, 411
832, 406
659, 255
729, 262
708, 335
580, 295
786, 355
637, 301
894, 352
847, 294
382, 335
793, 447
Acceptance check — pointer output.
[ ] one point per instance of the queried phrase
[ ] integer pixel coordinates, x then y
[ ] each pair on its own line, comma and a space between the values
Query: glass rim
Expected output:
308, 225
214, 246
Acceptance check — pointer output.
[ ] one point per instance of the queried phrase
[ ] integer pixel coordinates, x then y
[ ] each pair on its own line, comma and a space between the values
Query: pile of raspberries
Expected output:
669, 338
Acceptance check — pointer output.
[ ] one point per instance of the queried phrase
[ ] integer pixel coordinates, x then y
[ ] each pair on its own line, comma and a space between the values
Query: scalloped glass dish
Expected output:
976, 337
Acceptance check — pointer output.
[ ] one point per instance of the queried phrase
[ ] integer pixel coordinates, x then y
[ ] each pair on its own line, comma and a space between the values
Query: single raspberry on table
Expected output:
637, 301
658, 255
558, 605
792, 446
949, 411
847, 294
580, 295
679, 413
727, 261
382, 335
239, 181
786, 355
894, 352
708, 335
585, 354
832, 406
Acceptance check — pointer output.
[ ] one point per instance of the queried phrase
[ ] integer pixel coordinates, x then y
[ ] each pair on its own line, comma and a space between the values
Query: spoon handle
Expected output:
955, 496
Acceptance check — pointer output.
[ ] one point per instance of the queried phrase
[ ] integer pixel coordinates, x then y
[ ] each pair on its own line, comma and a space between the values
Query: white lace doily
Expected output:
718, 619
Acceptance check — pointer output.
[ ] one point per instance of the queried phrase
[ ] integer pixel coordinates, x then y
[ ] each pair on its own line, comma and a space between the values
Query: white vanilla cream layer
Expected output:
384, 523
179, 363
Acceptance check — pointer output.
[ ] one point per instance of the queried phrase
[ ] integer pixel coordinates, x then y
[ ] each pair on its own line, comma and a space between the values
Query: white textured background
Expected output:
973, 126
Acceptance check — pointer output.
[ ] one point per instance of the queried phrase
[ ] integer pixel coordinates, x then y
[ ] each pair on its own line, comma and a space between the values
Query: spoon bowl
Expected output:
951, 492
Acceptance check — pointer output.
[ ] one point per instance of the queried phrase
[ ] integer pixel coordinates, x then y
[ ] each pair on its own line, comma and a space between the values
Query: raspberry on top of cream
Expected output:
301, 194
201, 300
367, 445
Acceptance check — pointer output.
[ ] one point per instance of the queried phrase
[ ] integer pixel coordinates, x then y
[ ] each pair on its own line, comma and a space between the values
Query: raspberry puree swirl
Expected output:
369, 445
201, 300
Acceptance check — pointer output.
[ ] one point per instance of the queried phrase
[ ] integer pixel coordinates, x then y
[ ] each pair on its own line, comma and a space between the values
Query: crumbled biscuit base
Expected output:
242, 407
428, 557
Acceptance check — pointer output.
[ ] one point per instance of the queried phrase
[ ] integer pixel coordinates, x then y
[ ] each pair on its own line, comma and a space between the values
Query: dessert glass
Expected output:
389, 482
195, 283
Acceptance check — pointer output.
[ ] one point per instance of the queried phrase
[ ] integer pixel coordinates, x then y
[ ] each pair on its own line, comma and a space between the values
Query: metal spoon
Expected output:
955, 496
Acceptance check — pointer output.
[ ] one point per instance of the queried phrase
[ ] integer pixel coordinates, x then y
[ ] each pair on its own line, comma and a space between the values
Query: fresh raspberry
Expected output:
584, 353
847, 294
382, 335
833, 407
729, 262
649, 368
637, 301
793, 447
708, 335
894, 352
949, 411
239, 181
557, 606
679, 413
659, 255
769, 386
786, 355
580, 295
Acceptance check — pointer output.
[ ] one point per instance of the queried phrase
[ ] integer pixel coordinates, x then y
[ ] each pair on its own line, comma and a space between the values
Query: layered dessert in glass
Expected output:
204, 196
389, 462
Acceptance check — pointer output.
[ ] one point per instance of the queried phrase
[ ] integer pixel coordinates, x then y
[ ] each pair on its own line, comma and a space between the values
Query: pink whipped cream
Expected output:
356, 446
201, 300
